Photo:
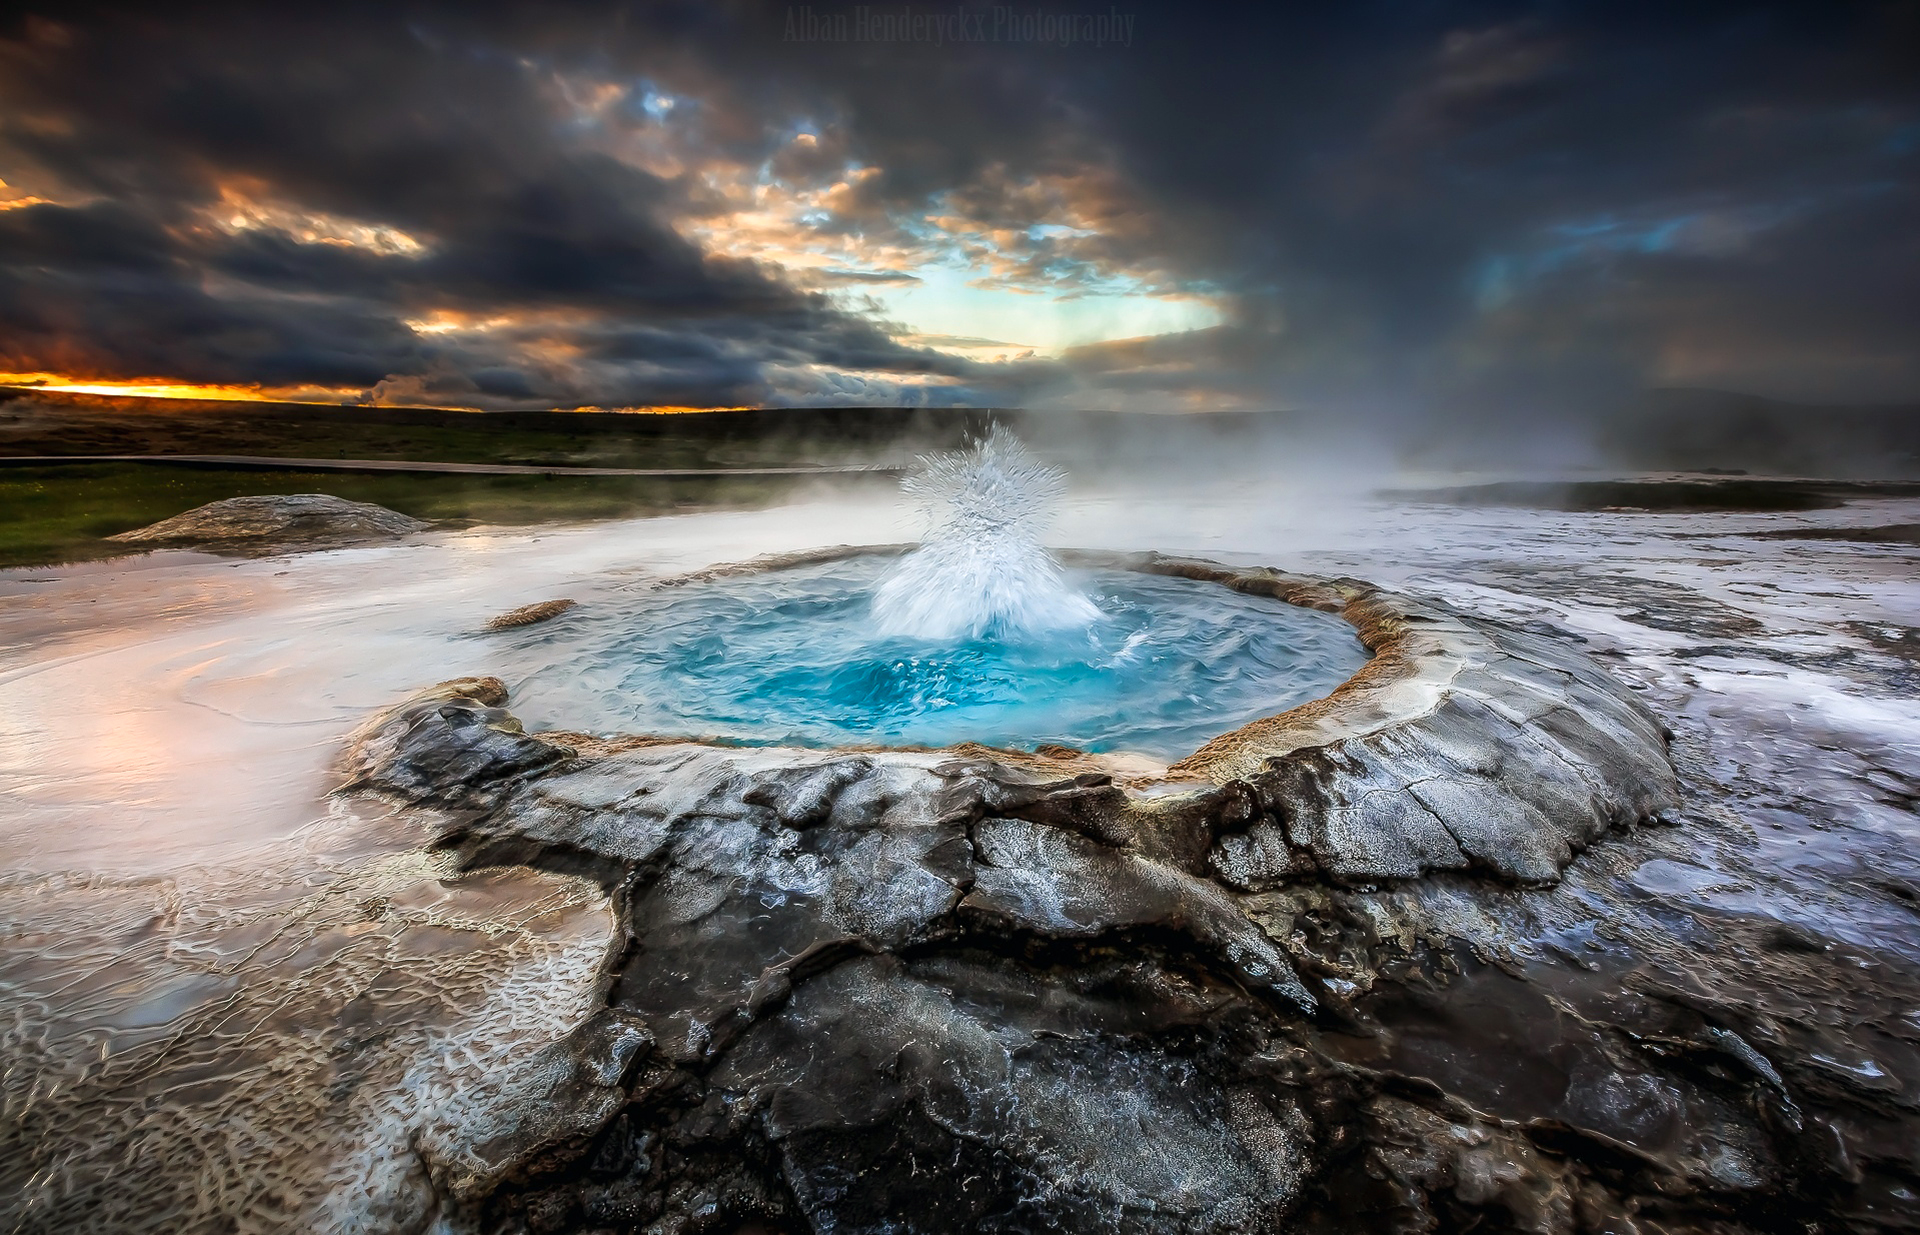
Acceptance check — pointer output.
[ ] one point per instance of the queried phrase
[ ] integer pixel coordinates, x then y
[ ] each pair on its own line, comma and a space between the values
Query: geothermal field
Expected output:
731, 618
1246, 860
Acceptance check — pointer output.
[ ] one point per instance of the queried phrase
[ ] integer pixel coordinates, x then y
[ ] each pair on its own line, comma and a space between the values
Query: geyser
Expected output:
981, 570
972, 990
977, 635
792, 657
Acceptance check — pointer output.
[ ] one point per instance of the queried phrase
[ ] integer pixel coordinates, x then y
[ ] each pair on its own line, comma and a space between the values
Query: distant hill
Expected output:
39, 422
1693, 430
1674, 429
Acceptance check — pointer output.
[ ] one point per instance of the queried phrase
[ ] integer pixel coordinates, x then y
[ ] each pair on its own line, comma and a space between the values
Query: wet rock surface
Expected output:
1393, 962
275, 523
1459, 745
1706, 1026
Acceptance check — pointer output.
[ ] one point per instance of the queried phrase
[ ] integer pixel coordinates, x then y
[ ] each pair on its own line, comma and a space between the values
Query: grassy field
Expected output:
47, 423
61, 513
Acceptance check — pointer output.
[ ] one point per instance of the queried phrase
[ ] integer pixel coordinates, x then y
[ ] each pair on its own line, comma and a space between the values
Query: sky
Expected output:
1484, 214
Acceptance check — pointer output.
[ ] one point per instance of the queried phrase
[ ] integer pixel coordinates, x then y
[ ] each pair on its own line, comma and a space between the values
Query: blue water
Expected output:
793, 657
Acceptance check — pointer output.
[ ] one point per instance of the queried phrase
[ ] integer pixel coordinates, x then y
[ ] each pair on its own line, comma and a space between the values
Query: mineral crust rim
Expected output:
1415, 653
1460, 744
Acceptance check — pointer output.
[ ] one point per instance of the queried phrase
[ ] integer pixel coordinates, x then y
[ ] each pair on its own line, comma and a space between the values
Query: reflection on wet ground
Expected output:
256, 1042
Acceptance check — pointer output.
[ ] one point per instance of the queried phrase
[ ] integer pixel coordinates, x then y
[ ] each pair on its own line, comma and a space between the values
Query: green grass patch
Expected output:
63, 512
36, 423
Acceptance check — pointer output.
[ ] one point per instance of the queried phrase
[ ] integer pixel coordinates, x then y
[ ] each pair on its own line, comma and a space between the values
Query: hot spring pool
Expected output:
793, 657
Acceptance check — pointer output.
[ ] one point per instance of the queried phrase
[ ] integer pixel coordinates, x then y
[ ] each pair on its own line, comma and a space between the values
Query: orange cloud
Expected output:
243, 207
658, 409
168, 388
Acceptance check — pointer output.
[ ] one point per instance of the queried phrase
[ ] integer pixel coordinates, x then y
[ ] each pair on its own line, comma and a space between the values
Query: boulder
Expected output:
275, 523
528, 615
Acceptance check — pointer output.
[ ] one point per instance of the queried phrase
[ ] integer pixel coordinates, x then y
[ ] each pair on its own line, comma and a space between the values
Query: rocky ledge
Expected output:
929, 991
275, 523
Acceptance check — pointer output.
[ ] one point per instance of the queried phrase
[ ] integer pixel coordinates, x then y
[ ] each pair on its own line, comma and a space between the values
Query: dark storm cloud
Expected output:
1417, 186
1485, 209
100, 288
143, 131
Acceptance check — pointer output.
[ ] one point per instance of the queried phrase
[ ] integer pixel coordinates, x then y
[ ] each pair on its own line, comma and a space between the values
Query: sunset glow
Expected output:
661, 410
161, 388
168, 388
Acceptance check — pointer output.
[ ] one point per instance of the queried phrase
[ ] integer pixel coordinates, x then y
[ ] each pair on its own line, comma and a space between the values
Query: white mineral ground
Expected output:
174, 869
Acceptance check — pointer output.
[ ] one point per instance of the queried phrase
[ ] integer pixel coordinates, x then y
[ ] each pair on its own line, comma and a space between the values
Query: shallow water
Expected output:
794, 657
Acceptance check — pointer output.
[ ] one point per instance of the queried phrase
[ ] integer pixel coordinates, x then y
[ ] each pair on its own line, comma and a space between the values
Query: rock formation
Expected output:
275, 523
969, 990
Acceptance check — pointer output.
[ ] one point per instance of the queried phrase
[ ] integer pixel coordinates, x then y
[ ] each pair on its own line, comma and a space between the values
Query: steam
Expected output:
980, 571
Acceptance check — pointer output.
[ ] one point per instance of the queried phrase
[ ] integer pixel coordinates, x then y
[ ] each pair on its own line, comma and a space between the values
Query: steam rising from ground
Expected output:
981, 570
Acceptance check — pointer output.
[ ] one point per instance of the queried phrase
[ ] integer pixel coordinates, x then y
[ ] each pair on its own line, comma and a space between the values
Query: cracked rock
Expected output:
895, 990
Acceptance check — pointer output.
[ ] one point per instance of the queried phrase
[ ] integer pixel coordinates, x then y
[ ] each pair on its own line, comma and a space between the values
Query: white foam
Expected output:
981, 570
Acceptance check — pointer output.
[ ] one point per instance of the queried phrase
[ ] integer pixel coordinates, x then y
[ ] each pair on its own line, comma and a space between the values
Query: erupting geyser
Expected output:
981, 570
978, 635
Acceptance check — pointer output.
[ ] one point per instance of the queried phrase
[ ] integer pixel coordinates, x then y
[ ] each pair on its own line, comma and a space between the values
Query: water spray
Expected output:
980, 570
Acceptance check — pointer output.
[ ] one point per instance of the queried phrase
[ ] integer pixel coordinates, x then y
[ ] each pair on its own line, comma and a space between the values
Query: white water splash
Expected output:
980, 570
